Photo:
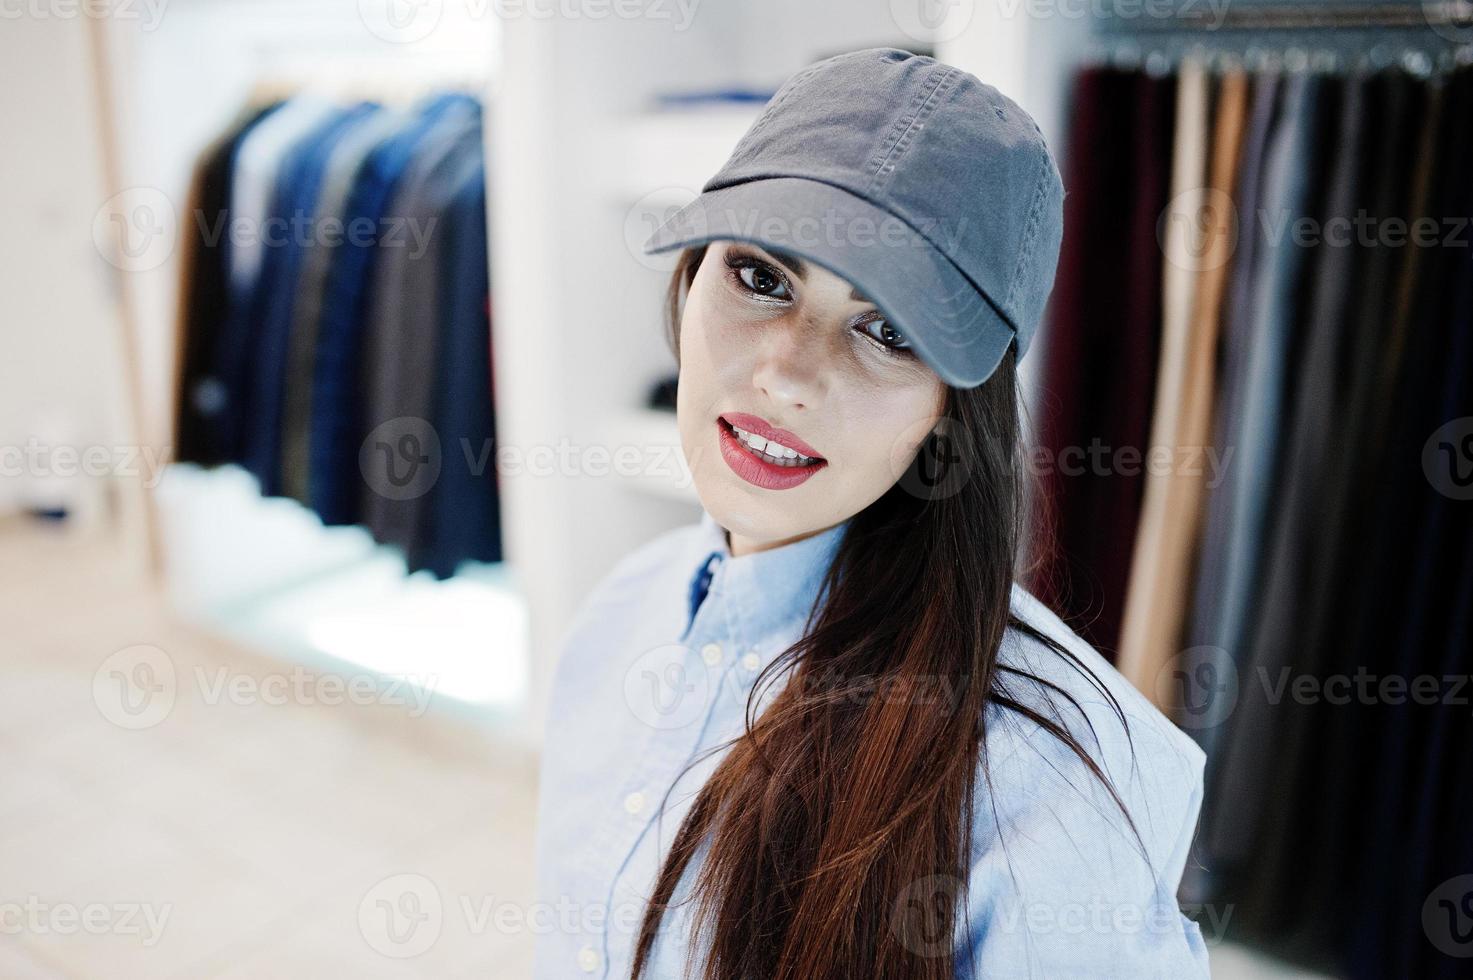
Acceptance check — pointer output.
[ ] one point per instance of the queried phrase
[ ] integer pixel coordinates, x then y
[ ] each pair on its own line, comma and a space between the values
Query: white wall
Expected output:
59, 326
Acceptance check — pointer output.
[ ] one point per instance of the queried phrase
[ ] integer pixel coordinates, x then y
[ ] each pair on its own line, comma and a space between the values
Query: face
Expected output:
799, 404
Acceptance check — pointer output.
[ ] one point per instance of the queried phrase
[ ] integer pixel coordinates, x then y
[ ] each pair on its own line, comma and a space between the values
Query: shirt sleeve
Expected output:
1060, 885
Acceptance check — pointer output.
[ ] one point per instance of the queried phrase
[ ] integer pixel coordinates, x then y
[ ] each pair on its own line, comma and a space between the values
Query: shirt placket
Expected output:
712, 647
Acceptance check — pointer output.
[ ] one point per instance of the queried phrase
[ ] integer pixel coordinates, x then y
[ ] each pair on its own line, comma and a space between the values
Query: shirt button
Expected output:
751, 661
587, 959
634, 802
711, 653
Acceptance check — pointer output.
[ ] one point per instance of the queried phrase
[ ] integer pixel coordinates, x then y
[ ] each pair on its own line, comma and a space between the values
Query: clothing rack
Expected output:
1456, 14
1159, 60
1325, 826
1429, 38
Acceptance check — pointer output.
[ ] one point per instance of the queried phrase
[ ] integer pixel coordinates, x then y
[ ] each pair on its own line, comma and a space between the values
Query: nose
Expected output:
791, 363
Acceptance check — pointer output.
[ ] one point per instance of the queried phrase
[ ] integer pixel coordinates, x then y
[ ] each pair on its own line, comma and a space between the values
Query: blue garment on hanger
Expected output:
462, 521
294, 204
337, 409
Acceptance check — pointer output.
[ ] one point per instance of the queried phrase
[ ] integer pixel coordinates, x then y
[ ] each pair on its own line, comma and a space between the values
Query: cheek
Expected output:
887, 425
707, 358
715, 343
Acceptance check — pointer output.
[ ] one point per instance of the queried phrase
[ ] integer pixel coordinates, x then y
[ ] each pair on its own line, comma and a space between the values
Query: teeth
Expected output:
773, 452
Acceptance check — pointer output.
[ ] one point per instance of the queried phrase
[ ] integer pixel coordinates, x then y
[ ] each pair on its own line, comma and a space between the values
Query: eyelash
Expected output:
737, 261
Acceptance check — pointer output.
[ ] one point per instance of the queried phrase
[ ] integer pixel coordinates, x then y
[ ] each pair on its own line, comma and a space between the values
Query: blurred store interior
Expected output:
290, 527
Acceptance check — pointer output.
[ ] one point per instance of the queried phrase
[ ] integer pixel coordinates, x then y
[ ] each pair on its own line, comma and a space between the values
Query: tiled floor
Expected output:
232, 832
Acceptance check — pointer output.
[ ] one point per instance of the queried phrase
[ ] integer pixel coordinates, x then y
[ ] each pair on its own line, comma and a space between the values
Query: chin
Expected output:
757, 514
758, 521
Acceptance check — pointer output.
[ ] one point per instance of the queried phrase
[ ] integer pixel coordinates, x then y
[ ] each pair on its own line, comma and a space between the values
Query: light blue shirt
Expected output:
656, 669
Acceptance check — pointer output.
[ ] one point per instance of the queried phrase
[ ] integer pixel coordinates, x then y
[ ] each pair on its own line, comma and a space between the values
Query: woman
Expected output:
822, 733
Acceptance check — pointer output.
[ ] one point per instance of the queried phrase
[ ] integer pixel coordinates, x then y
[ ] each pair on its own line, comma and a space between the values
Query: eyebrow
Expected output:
800, 269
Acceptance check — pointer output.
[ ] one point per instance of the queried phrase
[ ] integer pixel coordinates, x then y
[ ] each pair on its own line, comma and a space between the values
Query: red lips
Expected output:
751, 467
752, 423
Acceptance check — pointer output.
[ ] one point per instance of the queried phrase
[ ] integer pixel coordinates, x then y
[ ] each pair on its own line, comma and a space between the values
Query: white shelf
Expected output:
669, 154
665, 472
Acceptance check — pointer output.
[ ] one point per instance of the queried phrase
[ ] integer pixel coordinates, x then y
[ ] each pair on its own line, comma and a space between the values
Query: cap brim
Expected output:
952, 325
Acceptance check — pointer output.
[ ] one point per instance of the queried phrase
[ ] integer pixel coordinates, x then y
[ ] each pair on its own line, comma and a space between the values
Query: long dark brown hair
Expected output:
838, 827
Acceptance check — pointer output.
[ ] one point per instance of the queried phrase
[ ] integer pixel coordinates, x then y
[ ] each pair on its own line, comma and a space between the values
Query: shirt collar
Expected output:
763, 590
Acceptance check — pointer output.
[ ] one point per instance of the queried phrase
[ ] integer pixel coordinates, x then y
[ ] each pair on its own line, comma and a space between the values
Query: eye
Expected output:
758, 278
878, 329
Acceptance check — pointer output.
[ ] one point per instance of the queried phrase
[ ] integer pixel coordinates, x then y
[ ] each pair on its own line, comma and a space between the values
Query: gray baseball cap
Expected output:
929, 190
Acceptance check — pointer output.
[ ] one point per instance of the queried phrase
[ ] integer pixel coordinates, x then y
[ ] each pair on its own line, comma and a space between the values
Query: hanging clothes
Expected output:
1421, 535
1155, 602
339, 413
1254, 475
199, 400
293, 210
1203, 708
1098, 351
341, 171
258, 162
1331, 569
355, 291
1308, 430
403, 338
462, 520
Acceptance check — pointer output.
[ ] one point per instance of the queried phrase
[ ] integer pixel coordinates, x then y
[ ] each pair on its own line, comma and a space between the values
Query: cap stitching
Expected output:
902, 134
1025, 251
